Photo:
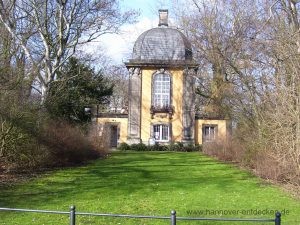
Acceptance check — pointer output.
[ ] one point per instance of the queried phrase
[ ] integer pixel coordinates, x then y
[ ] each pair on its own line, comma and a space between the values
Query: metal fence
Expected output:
172, 217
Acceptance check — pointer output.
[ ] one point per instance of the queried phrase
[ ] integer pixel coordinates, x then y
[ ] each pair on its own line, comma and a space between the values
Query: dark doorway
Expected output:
113, 136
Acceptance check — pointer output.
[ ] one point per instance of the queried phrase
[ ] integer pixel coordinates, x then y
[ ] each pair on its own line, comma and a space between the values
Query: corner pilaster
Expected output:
188, 106
134, 110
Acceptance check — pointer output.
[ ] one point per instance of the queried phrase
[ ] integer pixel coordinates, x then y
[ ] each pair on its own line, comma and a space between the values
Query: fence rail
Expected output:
172, 218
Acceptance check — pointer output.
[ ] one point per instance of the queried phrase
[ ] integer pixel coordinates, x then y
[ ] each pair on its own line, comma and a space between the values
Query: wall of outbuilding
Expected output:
222, 126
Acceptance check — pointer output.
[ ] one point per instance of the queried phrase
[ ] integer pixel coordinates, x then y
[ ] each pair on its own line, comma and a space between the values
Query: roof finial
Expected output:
163, 17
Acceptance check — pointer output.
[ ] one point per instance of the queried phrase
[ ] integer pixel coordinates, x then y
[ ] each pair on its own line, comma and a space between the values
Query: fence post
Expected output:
72, 215
277, 218
173, 217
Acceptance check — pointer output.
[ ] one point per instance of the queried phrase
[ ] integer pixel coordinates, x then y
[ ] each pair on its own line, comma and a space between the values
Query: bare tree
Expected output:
49, 31
283, 114
118, 76
248, 53
223, 35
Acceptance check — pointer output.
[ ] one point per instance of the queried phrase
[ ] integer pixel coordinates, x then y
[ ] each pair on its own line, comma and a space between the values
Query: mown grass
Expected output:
147, 183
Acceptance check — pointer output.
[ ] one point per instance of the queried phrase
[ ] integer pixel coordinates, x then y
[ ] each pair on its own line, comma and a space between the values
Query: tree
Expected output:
49, 31
118, 75
222, 34
77, 86
248, 53
283, 113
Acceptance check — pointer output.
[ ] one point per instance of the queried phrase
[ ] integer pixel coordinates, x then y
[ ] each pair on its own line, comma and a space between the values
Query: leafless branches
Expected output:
49, 31
249, 57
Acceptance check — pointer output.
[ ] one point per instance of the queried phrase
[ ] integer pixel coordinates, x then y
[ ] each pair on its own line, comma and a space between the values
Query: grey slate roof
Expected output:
162, 44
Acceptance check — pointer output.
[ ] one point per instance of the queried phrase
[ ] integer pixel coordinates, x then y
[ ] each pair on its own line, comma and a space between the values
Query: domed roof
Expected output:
163, 44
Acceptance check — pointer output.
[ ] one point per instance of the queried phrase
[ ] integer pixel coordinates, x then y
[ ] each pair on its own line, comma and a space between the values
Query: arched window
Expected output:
161, 90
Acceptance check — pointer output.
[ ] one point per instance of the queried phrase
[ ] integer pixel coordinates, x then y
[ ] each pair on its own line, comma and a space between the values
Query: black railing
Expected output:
172, 218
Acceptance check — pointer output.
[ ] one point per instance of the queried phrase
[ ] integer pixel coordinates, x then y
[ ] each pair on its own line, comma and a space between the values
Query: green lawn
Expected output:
147, 183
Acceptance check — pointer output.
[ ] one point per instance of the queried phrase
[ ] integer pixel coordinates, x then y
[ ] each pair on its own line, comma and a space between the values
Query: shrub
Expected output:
199, 147
178, 147
158, 147
139, 147
124, 146
19, 148
98, 137
68, 145
227, 150
191, 148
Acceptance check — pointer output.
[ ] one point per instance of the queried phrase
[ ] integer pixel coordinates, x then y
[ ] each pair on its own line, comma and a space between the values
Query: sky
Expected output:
118, 47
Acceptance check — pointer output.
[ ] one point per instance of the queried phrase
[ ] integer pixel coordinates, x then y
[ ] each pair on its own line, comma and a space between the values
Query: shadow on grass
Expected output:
124, 173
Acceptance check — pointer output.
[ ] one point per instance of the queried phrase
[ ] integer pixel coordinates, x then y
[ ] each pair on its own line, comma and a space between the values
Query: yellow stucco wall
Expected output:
177, 118
146, 120
177, 92
222, 129
120, 122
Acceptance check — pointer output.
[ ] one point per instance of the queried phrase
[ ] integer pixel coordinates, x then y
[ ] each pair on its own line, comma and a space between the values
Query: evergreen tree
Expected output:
76, 87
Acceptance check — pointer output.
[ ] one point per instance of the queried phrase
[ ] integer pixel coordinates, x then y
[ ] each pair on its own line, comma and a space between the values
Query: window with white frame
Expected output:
161, 132
161, 90
210, 133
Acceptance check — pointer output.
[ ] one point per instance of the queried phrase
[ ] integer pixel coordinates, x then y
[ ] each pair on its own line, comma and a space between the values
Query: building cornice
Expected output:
112, 115
178, 64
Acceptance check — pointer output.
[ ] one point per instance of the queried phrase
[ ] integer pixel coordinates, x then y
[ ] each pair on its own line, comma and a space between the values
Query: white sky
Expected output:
119, 46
